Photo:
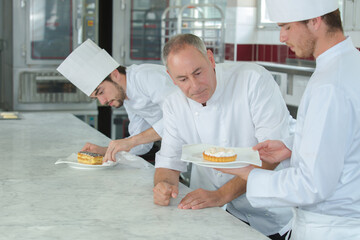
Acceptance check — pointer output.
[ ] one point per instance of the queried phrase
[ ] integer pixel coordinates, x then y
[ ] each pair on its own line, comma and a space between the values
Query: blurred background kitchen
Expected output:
37, 35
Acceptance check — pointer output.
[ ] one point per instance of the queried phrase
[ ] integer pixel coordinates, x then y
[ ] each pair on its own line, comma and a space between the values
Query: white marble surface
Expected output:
41, 200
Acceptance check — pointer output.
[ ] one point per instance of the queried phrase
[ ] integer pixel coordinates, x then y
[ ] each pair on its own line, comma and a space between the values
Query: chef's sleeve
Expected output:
138, 125
317, 159
171, 145
156, 86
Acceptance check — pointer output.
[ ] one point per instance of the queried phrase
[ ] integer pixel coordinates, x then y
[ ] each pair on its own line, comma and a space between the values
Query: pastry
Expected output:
219, 155
90, 158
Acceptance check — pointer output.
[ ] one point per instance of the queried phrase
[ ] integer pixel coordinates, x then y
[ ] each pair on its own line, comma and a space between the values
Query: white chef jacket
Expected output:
324, 172
246, 108
147, 85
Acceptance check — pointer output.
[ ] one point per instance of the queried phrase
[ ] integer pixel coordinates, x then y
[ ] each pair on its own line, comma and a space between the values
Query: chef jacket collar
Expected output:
330, 54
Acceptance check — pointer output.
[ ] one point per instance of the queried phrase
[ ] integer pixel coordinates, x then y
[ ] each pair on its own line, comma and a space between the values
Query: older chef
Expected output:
323, 178
231, 105
140, 88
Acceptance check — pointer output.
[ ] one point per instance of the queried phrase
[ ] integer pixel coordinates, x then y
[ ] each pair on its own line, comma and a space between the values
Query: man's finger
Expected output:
259, 146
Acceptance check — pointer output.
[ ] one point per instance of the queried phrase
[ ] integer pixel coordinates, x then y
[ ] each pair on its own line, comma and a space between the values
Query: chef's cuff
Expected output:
169, 163
289, 141
141, 149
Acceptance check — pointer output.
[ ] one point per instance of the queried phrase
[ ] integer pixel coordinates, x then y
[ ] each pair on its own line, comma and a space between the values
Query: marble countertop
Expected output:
41, 200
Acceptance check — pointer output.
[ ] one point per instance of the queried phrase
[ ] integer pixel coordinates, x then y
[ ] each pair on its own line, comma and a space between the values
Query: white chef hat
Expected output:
87, 66
284, 11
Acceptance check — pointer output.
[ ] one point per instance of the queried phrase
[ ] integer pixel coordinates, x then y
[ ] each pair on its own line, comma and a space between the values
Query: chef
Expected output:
323, 178
141, 89
230, 105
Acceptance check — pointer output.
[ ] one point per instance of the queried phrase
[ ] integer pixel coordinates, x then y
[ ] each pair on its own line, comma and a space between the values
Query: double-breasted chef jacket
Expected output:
246, 108
323, 178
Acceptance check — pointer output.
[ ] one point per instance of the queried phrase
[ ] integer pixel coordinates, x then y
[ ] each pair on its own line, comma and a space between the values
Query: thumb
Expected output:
174, 191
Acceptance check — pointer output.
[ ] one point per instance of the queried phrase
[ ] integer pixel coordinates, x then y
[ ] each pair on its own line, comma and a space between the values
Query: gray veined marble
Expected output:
41, 200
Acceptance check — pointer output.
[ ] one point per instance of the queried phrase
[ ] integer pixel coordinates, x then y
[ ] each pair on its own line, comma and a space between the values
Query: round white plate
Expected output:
71, 161
87, 166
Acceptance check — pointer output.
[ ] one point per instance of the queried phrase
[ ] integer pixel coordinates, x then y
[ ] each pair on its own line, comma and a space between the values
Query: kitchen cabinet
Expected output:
351, 15
291, 79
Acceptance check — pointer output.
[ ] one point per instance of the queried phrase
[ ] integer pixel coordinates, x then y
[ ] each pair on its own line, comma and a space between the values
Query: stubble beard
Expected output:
307, 46
121, 95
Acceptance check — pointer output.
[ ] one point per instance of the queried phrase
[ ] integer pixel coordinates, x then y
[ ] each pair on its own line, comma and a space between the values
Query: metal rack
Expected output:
146, 34
203, 20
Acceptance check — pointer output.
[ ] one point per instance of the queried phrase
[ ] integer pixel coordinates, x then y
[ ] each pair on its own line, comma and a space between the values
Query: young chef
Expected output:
324, 173
140, 88
231, 105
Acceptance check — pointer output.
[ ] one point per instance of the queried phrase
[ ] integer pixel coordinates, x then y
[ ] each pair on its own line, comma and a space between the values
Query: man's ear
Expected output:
114, 74
315, 23
211, 58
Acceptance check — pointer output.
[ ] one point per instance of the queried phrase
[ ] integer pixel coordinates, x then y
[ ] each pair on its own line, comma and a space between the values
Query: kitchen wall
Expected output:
246, 42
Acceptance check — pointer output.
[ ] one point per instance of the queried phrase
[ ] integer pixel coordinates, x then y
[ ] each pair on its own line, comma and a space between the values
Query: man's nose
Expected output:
283, 35
194, 82
102, 100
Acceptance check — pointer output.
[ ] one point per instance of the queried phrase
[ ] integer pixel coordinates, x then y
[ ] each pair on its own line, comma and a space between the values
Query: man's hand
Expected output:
116, 146
272, 151
243, 173
201, 198
89, 147
163, 192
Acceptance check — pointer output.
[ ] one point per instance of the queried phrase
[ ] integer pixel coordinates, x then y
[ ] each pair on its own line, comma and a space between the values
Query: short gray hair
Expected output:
178, 42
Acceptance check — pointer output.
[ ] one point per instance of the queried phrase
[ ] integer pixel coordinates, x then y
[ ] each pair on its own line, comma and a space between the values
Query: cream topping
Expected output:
219, 152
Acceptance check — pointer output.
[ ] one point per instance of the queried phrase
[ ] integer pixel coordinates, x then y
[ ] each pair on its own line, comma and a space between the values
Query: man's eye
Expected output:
198, 73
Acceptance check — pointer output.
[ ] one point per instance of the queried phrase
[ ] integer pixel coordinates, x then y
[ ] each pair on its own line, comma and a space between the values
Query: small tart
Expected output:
219, 155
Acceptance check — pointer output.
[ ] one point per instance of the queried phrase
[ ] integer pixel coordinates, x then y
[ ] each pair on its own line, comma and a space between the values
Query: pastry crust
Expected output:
89, 158
219, 159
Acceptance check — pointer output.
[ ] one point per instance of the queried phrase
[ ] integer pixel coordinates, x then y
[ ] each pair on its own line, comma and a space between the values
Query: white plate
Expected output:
9, 116
222, 165
71, 161
245, 156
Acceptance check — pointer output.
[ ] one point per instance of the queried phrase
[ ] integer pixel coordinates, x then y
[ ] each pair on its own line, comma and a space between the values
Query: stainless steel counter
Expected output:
288, 68
41, 200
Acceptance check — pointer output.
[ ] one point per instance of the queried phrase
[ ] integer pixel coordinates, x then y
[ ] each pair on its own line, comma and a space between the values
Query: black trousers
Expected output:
274, 236
278, 237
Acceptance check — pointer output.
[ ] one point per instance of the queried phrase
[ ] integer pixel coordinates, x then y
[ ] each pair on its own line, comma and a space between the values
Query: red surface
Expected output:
260, 52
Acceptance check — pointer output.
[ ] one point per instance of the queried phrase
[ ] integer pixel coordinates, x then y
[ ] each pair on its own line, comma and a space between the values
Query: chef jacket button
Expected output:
249, 215
219, 174
196, 113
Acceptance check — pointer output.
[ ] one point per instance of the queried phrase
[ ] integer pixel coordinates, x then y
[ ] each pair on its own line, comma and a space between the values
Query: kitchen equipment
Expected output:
203, 20
43, 34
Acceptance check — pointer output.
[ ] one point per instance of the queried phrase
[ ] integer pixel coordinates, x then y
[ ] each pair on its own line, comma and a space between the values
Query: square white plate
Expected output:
245, 156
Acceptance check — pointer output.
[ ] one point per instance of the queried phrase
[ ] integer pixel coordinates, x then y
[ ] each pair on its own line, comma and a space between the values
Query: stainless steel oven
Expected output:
44, 33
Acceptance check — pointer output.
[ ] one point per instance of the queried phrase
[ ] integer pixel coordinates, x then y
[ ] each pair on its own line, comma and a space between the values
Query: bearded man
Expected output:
141, 89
